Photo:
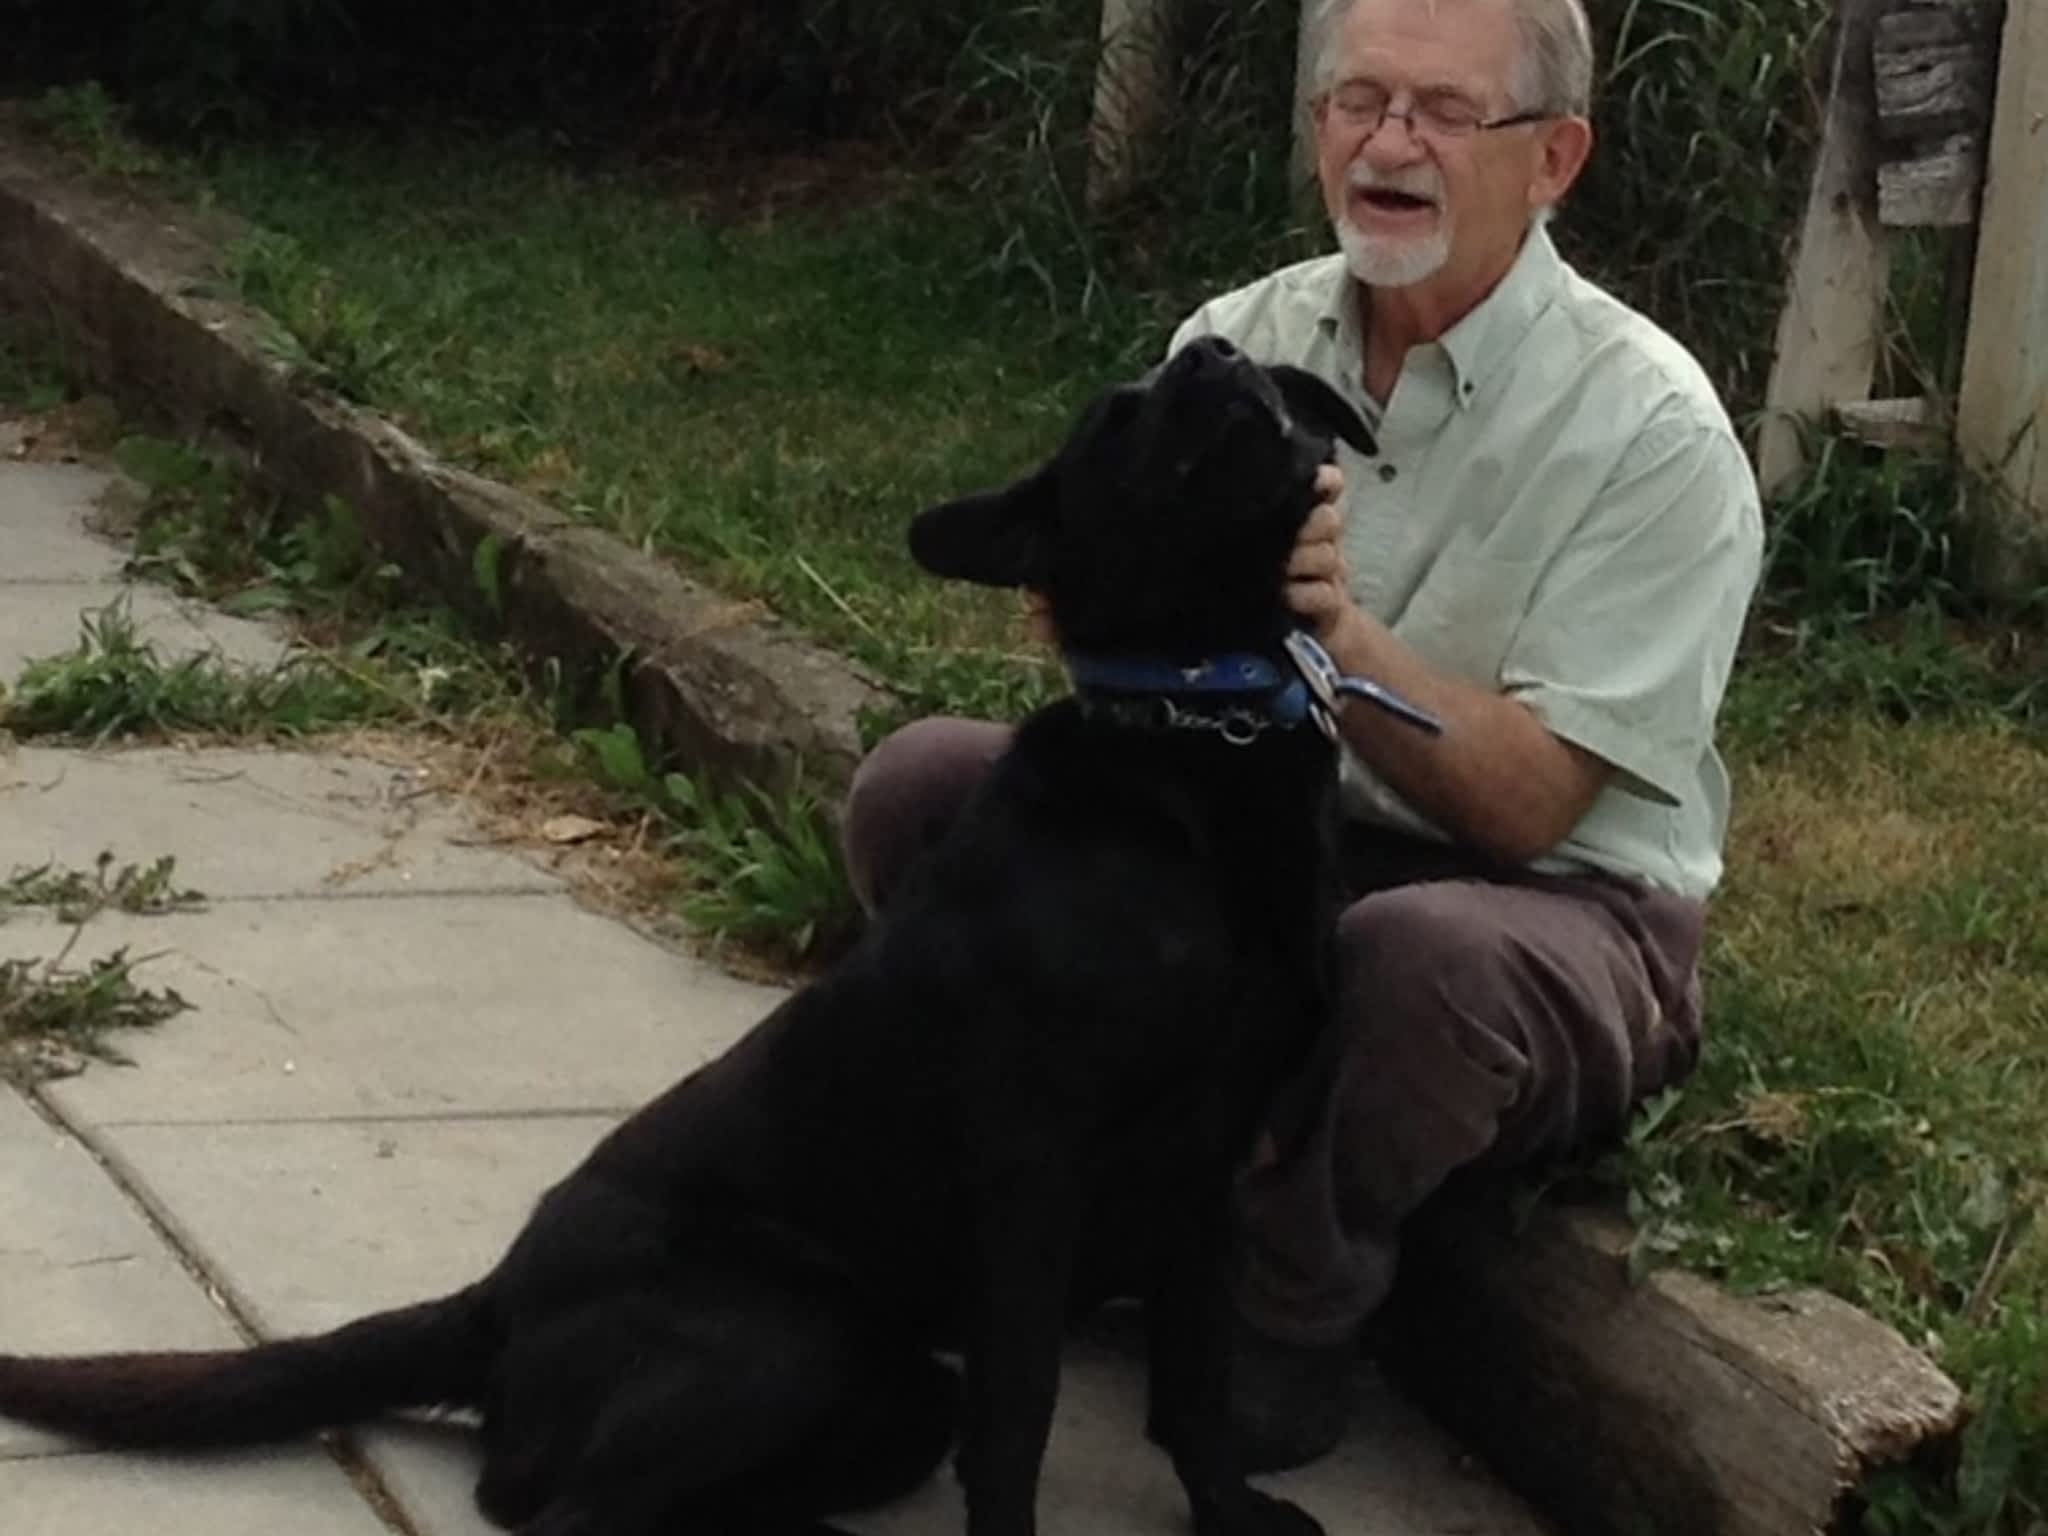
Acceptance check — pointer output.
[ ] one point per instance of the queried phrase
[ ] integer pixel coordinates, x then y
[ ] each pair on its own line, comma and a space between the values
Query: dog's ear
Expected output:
1322, 407
997, 538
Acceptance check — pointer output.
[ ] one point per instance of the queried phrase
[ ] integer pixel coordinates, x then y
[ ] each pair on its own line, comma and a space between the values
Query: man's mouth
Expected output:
1392, 200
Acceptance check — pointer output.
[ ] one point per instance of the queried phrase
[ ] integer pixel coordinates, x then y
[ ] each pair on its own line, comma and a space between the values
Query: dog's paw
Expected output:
1252, 1513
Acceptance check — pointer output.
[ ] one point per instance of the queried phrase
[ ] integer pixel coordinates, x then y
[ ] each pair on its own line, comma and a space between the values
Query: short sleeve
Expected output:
1630, 635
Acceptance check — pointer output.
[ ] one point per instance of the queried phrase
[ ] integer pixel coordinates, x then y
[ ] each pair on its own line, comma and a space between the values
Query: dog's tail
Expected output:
435, 1354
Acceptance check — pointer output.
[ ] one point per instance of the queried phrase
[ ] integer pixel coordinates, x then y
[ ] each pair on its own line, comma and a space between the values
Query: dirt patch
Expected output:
78, 430
508, 780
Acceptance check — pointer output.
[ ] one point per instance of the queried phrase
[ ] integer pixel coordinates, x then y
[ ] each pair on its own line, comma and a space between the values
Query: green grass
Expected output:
1871, 1114
765, 869
769, 402
114, 684
85, 119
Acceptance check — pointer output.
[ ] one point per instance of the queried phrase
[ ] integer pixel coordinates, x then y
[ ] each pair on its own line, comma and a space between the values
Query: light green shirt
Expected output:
1560, 510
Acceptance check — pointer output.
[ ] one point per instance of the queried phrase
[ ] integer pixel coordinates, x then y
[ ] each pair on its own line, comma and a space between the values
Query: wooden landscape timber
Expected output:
1621, 1403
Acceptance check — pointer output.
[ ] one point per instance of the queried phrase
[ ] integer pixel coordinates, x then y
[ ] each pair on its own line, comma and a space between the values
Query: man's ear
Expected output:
1328, 412
1564, 146
997, 538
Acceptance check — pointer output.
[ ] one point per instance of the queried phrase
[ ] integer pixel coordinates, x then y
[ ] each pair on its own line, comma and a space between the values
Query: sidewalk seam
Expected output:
354, 1464
425, 1117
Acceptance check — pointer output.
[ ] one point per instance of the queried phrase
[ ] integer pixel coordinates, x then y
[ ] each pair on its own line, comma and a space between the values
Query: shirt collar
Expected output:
1481, 343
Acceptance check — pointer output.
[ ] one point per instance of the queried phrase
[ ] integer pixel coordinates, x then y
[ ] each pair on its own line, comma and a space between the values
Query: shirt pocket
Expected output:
1463, 614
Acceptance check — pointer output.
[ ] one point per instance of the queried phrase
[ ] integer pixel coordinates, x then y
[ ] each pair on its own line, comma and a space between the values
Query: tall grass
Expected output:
1706, 114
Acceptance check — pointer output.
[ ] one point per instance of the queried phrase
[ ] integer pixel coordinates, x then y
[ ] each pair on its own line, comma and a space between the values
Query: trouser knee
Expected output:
907, 792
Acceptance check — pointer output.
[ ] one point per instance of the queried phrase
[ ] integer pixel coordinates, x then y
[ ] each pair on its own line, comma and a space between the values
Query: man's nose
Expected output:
1393, 142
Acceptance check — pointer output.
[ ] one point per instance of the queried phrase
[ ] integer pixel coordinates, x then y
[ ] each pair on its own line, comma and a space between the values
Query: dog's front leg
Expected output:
1188, 1338
1023, 1263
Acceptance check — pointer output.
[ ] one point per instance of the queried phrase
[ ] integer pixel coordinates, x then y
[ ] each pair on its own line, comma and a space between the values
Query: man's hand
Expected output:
1496, 779
1318, 578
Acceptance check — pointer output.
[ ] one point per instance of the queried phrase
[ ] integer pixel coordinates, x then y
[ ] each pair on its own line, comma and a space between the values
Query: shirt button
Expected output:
1387, 473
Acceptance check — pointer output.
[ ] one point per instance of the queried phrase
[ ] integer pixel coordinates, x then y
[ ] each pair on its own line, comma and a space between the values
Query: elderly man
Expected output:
1552, 550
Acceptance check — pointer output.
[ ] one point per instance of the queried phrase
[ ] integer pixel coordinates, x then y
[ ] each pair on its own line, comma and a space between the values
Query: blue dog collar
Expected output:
1238, 696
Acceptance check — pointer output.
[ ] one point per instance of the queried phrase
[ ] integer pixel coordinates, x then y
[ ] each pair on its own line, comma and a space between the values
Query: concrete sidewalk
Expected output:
399, 1038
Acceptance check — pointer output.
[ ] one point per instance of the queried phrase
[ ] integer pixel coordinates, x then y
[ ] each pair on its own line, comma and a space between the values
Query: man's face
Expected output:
1412, 203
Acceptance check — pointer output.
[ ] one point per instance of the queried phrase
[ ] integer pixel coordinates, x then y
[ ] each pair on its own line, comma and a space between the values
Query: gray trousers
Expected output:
1486, 1016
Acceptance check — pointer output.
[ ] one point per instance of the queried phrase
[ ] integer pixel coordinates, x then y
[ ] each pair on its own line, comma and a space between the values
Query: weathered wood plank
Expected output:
1936, 189
2002, 412
1920, 24
1932, 64
1831, 329
1912, 424
1666, 1405
1928, 92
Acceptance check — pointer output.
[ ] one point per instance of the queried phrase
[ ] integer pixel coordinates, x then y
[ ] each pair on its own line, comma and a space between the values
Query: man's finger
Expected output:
1315, 599
1317, 561
1323, 525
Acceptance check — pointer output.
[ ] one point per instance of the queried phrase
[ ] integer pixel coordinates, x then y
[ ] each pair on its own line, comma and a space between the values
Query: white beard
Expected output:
1382, 263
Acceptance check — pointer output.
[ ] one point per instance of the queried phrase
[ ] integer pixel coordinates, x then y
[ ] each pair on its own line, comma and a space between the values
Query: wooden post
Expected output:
2002, 415
1832, 327
1132, 83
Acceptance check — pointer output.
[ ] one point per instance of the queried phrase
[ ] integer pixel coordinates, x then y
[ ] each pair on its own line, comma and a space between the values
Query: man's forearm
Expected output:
1496, 779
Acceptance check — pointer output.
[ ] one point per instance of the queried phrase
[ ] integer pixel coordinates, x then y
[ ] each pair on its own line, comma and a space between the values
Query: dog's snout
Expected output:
1209, 355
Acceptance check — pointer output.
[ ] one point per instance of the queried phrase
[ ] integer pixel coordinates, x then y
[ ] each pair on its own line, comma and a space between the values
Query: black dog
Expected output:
1065, 1026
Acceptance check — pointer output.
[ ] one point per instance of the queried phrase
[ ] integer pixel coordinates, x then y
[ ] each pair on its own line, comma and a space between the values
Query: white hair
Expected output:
1553, 74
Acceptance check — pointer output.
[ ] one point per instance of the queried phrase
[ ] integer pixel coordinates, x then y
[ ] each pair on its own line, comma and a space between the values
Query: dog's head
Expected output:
1164, 522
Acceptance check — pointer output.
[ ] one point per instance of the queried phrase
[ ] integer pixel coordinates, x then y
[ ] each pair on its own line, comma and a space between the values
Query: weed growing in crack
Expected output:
114, 684
77, 896
53, 1015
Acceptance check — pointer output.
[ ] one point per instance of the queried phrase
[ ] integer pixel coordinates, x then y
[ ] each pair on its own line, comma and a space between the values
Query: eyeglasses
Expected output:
1365, 106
